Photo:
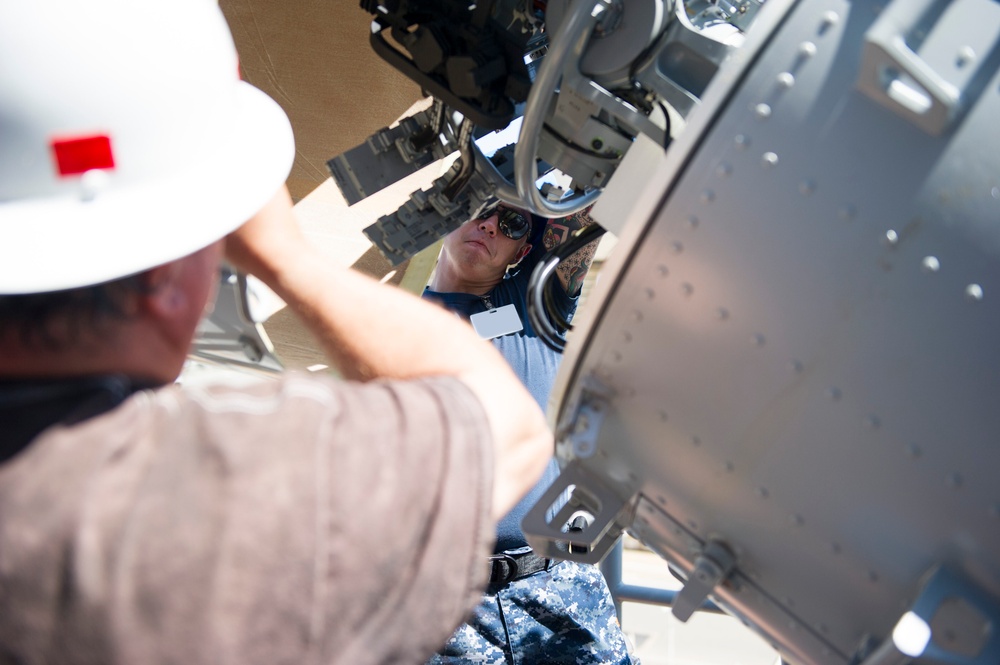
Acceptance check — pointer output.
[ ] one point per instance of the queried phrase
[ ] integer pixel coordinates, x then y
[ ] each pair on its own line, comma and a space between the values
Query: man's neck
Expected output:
448, 280
145, 354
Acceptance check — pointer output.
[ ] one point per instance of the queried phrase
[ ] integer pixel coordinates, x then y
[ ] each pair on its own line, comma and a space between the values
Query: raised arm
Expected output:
370, 331
572, 270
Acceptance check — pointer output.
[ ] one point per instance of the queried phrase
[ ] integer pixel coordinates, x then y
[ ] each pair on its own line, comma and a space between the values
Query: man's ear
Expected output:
162, 294
523, 252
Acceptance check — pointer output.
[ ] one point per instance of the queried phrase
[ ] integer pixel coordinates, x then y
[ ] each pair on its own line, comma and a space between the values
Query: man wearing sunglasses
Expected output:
535, 610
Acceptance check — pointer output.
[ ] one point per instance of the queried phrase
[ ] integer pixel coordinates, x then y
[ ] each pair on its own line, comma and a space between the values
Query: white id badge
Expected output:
496, 322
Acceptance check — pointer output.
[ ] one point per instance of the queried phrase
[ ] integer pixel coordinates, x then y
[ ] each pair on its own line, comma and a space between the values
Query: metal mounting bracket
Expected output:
711, 567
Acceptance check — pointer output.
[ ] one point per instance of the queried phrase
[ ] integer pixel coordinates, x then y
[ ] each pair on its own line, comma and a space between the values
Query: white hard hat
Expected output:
126, 138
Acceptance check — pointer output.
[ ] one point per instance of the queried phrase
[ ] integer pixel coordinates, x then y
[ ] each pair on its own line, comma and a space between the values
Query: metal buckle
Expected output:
496, 560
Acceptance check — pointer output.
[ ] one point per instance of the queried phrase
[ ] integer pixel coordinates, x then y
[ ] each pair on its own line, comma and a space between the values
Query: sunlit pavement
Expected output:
706, 639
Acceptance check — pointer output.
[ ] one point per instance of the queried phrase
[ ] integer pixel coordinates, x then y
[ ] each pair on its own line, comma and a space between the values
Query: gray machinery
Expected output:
787, 379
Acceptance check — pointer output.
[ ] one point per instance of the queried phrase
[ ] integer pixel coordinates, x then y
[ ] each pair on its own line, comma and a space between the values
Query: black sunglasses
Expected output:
511, 223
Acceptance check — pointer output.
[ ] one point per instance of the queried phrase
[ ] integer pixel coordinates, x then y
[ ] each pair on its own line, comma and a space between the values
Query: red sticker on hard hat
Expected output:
83, 153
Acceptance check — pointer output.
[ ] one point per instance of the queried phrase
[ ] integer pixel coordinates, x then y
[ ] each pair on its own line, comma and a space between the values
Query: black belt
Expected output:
516, 564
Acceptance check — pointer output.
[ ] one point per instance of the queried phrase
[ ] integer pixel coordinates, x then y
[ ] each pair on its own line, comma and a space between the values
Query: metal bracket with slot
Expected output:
547, 533
929, 88
952, 621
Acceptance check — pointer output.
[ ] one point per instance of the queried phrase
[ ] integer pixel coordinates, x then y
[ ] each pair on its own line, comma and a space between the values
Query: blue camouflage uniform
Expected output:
563, 613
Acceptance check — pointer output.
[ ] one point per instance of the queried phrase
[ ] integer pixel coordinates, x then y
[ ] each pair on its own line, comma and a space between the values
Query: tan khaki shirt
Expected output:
299, 521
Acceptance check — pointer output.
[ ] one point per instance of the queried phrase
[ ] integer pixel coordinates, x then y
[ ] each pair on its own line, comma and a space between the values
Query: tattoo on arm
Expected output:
555, 234
573, 270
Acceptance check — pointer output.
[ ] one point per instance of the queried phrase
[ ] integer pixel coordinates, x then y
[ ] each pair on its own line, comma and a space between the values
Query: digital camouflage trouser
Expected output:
562, 616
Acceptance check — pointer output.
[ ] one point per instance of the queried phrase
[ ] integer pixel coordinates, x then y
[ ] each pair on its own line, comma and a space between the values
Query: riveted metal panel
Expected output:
800, 346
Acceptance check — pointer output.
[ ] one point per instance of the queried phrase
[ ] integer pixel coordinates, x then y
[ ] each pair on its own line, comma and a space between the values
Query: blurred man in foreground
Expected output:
297, 520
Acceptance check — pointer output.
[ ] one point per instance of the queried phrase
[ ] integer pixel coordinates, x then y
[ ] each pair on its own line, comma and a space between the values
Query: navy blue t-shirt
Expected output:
533, 362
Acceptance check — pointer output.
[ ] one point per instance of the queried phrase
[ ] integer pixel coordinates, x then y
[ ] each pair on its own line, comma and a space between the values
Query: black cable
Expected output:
541, 308
666, 125
555, 316
543, 328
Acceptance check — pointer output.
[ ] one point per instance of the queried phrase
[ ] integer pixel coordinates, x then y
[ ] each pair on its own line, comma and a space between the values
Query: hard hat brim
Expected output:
63, 243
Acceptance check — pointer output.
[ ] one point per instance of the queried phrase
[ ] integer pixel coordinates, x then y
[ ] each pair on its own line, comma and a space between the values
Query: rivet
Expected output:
930, 264
637, 316
807, 49
696, 440
807, 187
763, 111
847, 213
913, 451
723, 170
995, 192
722, 314
633, 477
891, 237
872, 576
663, 416
965, 55
833, 393
954, 480
661, 499
626, 336
757, 340
872, 421
762, 492
729, 466
742, 142
650, 294
677, 247
796, 520
687, 289
786, 80
974, 292
707, 196
796, 366
663, 270
692, 222
769, 159
617, 357
692, 525
92, 183
830, 19
835, 548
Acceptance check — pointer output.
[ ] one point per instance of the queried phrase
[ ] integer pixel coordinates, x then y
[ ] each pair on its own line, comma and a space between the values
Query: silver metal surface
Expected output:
229, 335
798, 348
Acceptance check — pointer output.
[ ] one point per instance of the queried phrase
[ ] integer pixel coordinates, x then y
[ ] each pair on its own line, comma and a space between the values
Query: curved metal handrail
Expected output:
569, 41
540, 279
